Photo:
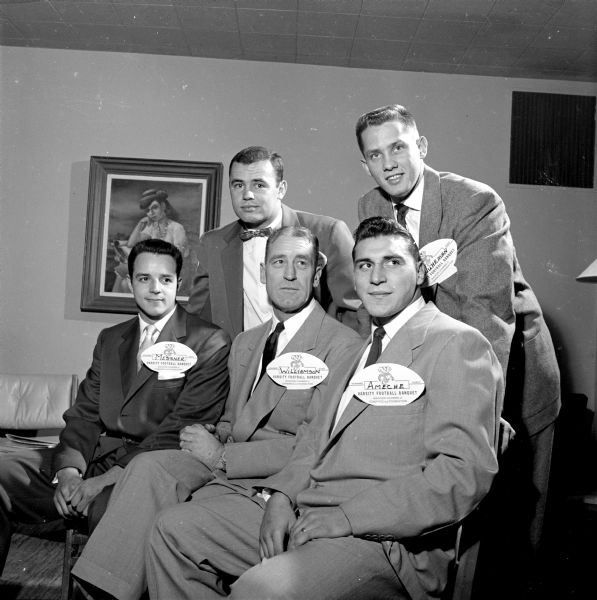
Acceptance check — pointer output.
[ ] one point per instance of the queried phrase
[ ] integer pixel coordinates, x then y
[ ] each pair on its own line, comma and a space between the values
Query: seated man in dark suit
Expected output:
261, 419
227, 289
123, 408
368, 505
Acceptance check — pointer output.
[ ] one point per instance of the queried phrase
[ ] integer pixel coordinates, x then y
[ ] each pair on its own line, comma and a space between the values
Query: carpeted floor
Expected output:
34, 568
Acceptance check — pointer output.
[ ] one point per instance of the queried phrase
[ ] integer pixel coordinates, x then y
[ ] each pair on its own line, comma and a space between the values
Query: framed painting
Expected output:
131, 199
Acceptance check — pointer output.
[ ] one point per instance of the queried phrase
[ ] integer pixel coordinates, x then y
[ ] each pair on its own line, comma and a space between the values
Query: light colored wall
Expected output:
60, 107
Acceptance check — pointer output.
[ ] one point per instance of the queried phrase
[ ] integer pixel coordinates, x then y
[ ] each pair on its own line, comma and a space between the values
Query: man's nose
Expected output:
248, 194
154, 286
378, 274
389, 161
289, 272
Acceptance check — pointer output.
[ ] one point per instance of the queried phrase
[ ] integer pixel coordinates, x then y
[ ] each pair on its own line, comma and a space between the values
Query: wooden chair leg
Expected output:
73, 547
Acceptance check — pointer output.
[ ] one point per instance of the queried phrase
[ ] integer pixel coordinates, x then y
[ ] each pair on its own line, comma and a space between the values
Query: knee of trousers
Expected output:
258, 583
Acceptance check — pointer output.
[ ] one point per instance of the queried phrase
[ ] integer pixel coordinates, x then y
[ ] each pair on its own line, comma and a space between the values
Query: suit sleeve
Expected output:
339, 267
83, 427
482, 293
199, 300
263, 458
200, 401
464, 392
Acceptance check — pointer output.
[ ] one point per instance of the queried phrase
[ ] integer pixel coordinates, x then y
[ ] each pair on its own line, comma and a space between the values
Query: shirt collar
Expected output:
415, 199
159, 325
392, 327
294, 323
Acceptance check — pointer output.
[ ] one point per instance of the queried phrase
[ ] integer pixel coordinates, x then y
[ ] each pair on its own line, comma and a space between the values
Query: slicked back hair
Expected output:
254, 154
381, 226
296, 232
155, 246
381, 115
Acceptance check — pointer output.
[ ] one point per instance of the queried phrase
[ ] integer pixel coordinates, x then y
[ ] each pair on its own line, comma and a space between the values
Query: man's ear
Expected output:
130, 283
422, 144
365, 167
178, 283
322, 261
262, 273
421, 272
282, 188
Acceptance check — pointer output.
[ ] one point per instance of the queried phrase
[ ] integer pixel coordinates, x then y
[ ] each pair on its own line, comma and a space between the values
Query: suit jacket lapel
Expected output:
232, 269
174, 329
398, 351
127, 354
431, 209
267, 394
289, 217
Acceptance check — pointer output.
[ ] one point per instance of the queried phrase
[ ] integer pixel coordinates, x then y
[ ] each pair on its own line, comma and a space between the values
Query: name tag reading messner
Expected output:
169, 359
297, 370
439, 257
387, 384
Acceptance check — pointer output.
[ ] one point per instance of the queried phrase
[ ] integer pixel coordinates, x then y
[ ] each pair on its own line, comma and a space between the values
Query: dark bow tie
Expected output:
247, 234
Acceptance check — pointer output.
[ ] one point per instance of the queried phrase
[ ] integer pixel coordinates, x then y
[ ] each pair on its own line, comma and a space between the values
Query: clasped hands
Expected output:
73, 494
282, 530
206, 442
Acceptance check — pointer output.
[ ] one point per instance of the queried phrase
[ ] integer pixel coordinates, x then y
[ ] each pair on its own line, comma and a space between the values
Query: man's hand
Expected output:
69, 479
506, 434
275, 526
202, 445
223, 431
72, 498
319, 523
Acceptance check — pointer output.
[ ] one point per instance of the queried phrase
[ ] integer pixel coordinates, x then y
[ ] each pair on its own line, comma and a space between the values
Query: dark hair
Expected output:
295, 232
381, 226
155, 246
381, 115
161, 196
254, 154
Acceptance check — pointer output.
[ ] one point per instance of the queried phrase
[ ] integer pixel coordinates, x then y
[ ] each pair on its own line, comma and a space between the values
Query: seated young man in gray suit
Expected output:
368, 505
227, 290
123, 408
261, 419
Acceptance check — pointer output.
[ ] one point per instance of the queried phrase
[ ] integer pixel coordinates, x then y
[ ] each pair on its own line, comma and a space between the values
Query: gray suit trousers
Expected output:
209, 547
114, 557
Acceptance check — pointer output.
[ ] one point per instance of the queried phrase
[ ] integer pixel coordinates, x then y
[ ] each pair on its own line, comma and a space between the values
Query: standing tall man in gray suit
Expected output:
260, 422
227, 288
488, 291
367, 507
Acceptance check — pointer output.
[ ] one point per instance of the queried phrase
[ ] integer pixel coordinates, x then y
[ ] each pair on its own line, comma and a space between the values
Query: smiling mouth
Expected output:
394, 177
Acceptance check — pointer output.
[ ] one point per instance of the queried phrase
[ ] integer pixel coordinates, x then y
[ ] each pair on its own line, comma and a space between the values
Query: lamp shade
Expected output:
589, 275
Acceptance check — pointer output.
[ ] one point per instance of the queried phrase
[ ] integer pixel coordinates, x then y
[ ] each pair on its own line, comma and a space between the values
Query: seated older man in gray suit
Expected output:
368, 505
259, 425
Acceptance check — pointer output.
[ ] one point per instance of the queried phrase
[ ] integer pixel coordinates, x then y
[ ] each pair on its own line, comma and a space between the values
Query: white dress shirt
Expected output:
257, 308
391, 328
413, 214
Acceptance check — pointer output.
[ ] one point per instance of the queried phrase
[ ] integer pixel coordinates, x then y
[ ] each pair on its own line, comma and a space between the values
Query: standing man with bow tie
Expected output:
227, 288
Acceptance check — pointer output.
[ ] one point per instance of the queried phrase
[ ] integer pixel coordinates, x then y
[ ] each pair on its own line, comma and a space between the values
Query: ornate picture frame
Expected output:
134, 198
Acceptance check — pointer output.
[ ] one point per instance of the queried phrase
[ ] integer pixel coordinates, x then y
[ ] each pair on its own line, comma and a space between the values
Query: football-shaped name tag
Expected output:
387, 384
297, 370
439, 257
169, 359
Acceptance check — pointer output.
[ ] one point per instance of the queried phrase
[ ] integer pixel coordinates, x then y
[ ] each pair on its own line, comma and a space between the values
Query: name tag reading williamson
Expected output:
169, 359
297, 370
387, 384
439, 257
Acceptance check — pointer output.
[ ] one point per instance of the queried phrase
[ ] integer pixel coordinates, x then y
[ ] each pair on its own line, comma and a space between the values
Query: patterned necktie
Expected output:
375, 350
269, 350
247, 234
150, 331
401, 210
